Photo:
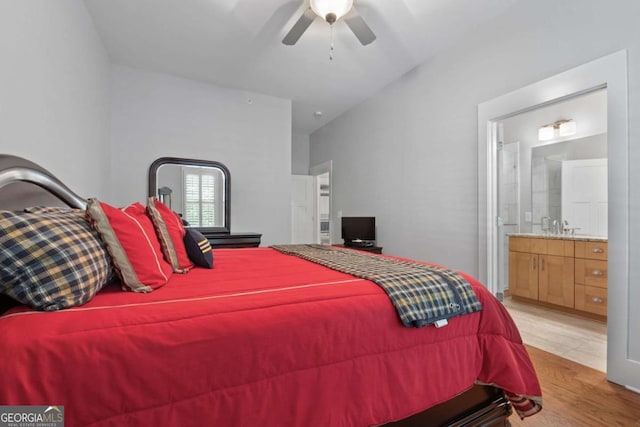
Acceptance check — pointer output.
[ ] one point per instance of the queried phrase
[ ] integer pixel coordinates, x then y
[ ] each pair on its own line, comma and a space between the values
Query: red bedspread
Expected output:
262, 339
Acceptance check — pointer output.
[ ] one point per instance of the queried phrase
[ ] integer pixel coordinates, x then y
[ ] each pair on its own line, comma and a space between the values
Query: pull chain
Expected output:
331, 44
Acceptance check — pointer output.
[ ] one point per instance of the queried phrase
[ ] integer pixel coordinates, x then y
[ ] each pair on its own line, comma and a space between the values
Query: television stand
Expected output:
370, 249
357, 243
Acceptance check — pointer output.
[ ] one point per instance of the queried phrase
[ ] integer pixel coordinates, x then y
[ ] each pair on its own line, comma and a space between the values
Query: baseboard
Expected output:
633, 389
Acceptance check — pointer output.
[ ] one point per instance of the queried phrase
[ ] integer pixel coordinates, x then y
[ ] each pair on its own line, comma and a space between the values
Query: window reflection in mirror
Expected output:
197, 190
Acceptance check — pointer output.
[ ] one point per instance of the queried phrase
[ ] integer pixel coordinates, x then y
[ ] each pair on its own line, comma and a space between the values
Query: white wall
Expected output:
300, 154
409, 154
54, 91
156, 115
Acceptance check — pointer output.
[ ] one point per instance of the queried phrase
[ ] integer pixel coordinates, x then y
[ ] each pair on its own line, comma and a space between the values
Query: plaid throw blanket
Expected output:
422, 294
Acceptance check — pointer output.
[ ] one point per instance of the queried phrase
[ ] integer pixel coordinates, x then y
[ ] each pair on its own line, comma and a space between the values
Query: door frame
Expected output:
608, 72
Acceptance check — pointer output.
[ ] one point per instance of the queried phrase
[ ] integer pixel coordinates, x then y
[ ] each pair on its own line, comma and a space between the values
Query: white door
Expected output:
302, 207
584, 196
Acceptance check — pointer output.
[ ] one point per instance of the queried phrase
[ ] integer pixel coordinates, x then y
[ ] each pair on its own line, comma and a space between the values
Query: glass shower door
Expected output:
508, 206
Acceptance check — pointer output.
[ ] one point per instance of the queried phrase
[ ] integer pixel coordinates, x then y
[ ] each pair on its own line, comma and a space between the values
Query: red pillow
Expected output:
170, 233
132, 243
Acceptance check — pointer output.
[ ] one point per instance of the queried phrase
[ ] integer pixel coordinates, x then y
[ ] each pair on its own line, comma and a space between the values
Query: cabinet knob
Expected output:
597, 300
597, 273
598, 250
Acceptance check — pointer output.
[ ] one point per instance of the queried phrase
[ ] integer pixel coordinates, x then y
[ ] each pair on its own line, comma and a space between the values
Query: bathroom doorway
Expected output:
610, 72
546, 184
529, 171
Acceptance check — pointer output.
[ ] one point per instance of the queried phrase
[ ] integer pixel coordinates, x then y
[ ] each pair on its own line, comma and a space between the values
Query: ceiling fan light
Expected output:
323, 8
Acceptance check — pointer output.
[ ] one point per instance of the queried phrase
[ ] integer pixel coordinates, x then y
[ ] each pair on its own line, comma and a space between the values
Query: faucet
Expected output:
569, 230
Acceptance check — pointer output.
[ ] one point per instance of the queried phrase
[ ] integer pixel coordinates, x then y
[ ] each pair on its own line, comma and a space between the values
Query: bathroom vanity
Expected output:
560, 271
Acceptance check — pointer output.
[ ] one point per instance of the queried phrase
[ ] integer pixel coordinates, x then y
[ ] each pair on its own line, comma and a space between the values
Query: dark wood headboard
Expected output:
24, 183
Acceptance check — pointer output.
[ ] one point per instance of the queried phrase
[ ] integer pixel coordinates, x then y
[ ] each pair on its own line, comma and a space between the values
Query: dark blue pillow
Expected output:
198, 248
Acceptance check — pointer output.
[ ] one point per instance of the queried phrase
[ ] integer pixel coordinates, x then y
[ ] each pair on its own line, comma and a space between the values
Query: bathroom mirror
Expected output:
198, 190
547, 198
531, 191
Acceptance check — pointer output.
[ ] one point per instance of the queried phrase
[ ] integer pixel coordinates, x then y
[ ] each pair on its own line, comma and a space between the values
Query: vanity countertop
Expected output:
560, 236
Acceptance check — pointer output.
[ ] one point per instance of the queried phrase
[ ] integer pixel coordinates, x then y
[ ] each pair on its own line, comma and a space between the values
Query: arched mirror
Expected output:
198, 190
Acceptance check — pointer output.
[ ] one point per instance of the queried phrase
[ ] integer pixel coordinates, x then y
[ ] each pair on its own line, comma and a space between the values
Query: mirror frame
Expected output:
153, 175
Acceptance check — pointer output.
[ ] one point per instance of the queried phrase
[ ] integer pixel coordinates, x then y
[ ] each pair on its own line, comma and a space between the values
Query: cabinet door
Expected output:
556, 280
523, 274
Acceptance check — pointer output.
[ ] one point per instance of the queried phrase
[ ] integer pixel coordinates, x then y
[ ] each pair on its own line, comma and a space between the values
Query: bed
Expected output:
263, 338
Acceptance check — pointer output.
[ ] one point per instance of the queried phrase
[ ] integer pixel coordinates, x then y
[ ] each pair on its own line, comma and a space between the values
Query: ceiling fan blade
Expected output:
359, 27
299, 27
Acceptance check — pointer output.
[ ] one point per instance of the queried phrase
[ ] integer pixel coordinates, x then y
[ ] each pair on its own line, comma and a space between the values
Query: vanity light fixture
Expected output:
545, 133
559, 128
567, 128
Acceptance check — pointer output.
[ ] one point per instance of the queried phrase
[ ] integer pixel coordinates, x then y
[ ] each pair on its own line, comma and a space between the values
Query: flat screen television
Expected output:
358, 230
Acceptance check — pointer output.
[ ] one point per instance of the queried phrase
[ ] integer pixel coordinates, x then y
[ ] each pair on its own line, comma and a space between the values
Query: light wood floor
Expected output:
575, 338
575, 395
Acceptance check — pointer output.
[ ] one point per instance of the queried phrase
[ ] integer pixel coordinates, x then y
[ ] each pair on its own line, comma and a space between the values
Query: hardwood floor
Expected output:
576, 395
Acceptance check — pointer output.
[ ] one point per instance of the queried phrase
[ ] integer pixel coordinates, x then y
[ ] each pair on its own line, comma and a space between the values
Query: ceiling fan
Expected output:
331, 11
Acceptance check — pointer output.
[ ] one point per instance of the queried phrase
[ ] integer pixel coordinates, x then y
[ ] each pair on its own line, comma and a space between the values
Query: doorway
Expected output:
552, 190
529, 173
623, 350
323, 198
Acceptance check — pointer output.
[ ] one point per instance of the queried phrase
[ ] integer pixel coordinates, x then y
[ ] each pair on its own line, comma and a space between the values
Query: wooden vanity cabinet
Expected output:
542, 269
568, 273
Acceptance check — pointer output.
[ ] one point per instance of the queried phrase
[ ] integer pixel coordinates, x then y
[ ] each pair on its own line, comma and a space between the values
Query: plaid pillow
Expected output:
52, 259
52, 210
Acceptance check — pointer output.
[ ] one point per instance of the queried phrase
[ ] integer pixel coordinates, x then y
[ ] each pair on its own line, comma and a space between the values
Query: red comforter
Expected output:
262, 339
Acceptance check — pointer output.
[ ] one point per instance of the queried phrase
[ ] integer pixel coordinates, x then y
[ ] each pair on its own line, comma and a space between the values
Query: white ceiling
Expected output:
237, 44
